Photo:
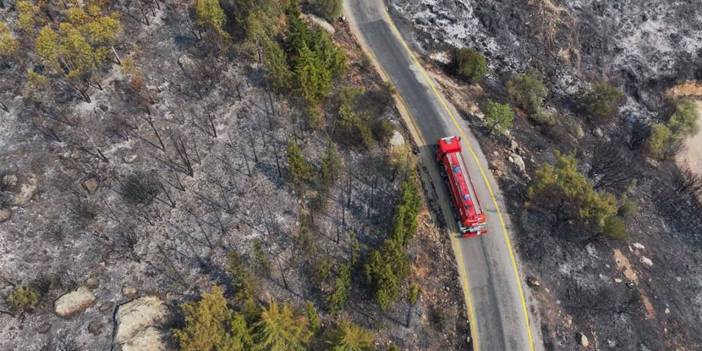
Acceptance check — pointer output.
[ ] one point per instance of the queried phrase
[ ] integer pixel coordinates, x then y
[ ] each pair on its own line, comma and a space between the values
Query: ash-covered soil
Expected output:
145, 190
642, 294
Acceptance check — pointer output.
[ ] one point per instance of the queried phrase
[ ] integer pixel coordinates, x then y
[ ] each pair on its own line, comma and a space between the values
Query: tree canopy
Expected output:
210, 325
568, 194
498, 117
280, 329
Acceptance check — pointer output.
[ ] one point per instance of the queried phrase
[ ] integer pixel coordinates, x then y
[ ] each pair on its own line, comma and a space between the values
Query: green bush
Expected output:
543, 116
684, 121
659, 143
470, 64
615, 228
413, 294
382, 130
22, 299
527, 91
629, 208
665, 138
328, 9
567, 193
498, 117
602, 101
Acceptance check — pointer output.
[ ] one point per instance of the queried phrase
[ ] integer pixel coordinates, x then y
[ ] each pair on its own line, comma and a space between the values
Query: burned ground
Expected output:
178, 162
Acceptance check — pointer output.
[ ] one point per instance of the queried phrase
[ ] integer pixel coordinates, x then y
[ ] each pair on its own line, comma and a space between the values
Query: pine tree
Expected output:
342, 290
350, 337
279, 329
299, 169
211, 326
276, 63
331, 165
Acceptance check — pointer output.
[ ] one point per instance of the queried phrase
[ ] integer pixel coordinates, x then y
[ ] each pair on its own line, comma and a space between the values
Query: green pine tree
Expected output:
279, 329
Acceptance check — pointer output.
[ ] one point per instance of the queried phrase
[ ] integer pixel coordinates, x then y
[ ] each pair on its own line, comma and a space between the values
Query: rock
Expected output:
129, 291
518, 162
44, 328
5, 214
27, 190
92, 283
533, 282
667, 311
319, 22
647, 261
149, 339
9, 181
90, 185
397, 139
617, 280
130, 158
105, 306
74, 302
598, 132
638, 246
95, 327
582, 339
514, 146
139, 324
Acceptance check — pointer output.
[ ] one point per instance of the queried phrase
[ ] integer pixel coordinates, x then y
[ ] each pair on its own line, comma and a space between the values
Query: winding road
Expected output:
492, 284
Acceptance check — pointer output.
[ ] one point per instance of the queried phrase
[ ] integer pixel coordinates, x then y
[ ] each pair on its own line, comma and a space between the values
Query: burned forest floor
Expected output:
137, 197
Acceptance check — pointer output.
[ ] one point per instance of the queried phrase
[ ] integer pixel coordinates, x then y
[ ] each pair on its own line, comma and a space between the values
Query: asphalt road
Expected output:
487, 266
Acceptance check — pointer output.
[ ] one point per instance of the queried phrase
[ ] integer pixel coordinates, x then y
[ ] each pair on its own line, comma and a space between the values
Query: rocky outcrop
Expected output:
74, 302
26, 190
5, 214
139, 324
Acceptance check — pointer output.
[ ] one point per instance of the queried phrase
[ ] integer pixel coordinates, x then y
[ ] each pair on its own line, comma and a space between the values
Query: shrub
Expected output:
614, 228
543, 116
659, 143
22, 299
498, 117
210, 16
276, 63
140, 188
684, 122
328, 9
382, 130
8, 42
263, 263
527, 91
567, 193
602, 101
470, 64
629, 208
413, 294
352, 126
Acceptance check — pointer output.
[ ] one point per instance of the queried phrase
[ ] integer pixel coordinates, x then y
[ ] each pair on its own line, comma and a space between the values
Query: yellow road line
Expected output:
482, 173
414, 130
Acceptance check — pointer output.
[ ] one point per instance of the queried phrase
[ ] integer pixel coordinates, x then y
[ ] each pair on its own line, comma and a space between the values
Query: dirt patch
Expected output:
625, 266
689, 155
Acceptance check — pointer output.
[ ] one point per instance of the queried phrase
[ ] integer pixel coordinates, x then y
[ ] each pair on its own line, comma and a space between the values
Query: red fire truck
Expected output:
471, 219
